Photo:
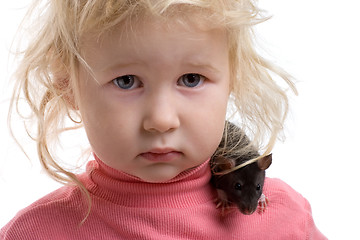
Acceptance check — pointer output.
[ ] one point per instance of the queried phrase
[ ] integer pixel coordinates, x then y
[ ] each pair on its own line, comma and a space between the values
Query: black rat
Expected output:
242, 187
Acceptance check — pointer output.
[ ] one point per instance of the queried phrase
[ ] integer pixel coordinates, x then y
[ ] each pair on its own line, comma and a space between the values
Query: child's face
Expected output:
160, 102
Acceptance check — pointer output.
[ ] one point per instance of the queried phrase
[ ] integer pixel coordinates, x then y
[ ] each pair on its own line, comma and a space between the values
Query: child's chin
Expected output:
160, 173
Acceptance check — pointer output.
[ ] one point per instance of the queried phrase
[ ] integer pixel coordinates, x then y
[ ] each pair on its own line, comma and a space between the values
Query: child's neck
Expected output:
189, 188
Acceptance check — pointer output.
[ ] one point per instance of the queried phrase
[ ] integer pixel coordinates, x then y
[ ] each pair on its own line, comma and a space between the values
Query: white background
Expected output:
318, 43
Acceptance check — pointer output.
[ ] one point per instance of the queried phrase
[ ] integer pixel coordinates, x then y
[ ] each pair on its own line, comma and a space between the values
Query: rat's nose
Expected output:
247, 210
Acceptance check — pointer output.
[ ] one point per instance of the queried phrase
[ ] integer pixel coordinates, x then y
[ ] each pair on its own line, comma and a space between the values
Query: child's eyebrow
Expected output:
118, 66
190, 65
207, 66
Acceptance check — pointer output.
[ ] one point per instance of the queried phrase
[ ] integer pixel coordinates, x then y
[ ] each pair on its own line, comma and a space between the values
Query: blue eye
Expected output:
127, 82
191, 80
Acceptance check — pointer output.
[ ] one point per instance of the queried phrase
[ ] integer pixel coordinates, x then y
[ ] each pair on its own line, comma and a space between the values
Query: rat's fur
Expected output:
242, 187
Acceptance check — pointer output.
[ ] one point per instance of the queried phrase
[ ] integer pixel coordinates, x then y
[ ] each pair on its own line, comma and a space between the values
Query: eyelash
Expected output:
132, 79
133, 82
199, 78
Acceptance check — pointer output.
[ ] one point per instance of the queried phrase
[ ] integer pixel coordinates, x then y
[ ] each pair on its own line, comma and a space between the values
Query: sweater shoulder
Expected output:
285, 199
290, 210
281, 191
49, 213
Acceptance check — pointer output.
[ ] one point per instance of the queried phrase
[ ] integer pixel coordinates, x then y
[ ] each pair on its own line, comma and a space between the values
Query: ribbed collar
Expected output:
189, 188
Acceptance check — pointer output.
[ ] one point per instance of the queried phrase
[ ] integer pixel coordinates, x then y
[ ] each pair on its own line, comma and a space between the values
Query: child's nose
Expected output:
161, 114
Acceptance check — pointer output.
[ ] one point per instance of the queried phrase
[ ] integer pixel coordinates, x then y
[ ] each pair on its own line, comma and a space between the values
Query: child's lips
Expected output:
161, 155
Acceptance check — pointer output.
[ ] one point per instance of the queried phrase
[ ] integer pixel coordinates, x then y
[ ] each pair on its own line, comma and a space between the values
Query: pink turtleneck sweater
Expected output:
125, 207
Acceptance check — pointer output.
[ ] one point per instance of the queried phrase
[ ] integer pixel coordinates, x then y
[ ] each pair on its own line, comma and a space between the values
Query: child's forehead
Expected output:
179, 14
133, 28
150, 39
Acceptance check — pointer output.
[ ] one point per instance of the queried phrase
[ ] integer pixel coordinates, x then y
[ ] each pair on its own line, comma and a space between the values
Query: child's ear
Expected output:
62, 84
64, 89
265, 162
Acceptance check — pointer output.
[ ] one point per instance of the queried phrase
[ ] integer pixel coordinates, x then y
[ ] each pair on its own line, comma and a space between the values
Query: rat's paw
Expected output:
221, 200
222, 205
262, 203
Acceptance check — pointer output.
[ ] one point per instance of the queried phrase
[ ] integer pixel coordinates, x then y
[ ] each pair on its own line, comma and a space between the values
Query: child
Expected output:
150, 80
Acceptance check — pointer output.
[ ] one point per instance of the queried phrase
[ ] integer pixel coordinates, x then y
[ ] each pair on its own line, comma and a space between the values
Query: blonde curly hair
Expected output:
47, 74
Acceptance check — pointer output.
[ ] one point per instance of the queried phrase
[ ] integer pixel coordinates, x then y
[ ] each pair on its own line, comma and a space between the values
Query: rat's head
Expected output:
244, 186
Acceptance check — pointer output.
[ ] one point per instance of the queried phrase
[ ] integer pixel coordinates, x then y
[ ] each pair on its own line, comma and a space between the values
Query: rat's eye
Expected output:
127, 82
258, 187
237, 186
191, 80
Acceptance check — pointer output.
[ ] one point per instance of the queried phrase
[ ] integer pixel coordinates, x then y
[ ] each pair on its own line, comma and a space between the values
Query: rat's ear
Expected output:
265, 162
222, 164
